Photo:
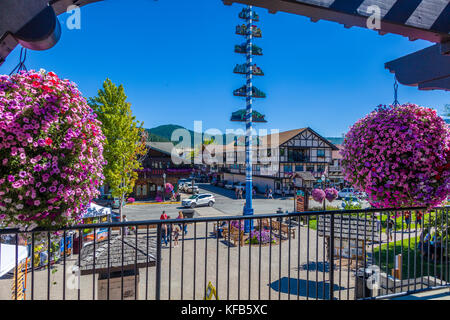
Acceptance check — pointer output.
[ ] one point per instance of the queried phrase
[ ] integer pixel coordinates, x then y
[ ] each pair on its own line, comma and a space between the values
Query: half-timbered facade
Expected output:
277, 157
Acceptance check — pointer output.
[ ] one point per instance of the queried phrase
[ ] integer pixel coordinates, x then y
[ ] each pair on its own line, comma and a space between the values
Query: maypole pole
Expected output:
248, 209
247, 115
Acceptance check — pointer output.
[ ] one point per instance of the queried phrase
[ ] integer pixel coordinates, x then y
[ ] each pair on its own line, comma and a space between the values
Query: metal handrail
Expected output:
211, 219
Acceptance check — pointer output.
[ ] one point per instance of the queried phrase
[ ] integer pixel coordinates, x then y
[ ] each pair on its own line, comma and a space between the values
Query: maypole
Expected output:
250, 92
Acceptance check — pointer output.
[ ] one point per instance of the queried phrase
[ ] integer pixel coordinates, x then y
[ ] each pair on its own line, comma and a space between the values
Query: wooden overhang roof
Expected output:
416, 19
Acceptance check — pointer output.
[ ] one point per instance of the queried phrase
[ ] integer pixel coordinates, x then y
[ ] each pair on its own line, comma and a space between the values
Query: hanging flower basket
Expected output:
168, 187
331, 194
318, 195
51, 150
400, 156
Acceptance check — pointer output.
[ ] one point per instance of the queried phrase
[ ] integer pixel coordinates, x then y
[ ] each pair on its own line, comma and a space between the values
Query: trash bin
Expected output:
279, 211
188, 213
361, 288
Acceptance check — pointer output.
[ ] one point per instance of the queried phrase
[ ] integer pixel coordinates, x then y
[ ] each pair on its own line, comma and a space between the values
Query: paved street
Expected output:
226, 204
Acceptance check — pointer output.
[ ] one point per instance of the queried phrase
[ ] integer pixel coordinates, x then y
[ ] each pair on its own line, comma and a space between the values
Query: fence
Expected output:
345, 254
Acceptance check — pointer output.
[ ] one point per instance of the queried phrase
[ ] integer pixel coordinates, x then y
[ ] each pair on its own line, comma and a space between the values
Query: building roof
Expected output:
305, 175
283, 137
164, 147
142, 253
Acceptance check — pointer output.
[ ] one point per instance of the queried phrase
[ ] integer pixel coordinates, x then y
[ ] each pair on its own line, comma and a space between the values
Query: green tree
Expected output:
125, 139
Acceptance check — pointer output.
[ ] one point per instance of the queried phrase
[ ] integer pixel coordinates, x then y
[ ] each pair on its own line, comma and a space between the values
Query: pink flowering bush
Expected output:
400, 156
318, 195
51, 150
331, 194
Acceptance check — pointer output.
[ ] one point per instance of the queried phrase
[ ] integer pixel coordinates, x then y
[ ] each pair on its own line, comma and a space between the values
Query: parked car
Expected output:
204, 199
181, 182
229, 185
185, 183
221, 183
116, 203
107, 200
346, 192
104, 200
191, 189
361, 195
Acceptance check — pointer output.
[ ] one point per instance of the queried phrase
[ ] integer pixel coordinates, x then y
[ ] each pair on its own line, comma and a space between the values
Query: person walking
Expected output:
389, 227
182, 226
419, 219
240, 193
176, 235
164, 228
270, 194
407, 219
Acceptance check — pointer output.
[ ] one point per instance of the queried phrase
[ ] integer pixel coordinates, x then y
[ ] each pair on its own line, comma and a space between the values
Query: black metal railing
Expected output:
344, 254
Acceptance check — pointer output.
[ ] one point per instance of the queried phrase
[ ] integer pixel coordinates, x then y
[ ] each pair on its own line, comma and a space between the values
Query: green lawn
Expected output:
415, 262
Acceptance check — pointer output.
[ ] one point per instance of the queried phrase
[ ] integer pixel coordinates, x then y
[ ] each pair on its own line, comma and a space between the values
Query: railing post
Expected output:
158, 263
331, 256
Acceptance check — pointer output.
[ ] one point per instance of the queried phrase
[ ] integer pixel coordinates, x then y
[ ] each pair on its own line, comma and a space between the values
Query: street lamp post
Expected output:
164, 187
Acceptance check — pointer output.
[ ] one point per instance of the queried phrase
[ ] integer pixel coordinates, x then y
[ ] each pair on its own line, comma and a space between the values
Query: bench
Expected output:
276, 225
140, 227
234, 235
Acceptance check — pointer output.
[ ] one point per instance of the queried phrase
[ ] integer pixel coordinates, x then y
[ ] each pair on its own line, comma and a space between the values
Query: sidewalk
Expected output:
140, 203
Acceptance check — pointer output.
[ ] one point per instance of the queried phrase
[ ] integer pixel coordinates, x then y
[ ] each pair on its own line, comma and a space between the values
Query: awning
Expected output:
95, 210
8, 257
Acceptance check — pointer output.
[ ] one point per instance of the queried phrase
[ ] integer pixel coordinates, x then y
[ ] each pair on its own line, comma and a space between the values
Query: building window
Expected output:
299, 168
320, 168
297, 155
282, 152
310, 168
321, 153
287, 168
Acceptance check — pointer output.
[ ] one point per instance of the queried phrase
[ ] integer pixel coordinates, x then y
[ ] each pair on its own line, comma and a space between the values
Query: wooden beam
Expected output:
416, 19
427, 69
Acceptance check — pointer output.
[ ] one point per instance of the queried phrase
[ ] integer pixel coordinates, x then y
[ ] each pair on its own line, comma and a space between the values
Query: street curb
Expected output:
145, 203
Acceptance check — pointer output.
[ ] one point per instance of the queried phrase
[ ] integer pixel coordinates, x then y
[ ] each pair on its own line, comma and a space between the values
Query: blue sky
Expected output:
175, 59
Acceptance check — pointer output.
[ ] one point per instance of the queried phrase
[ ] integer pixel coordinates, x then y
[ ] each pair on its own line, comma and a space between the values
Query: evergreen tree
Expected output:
125, 139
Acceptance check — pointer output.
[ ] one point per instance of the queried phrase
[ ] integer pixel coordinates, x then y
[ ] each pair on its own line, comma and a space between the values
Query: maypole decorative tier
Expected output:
242, 69
244, 15
256, 93
239, 116
242, 30
242, 48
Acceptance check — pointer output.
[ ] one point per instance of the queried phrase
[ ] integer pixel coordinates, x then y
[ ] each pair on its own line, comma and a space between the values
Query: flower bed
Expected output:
261, 237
